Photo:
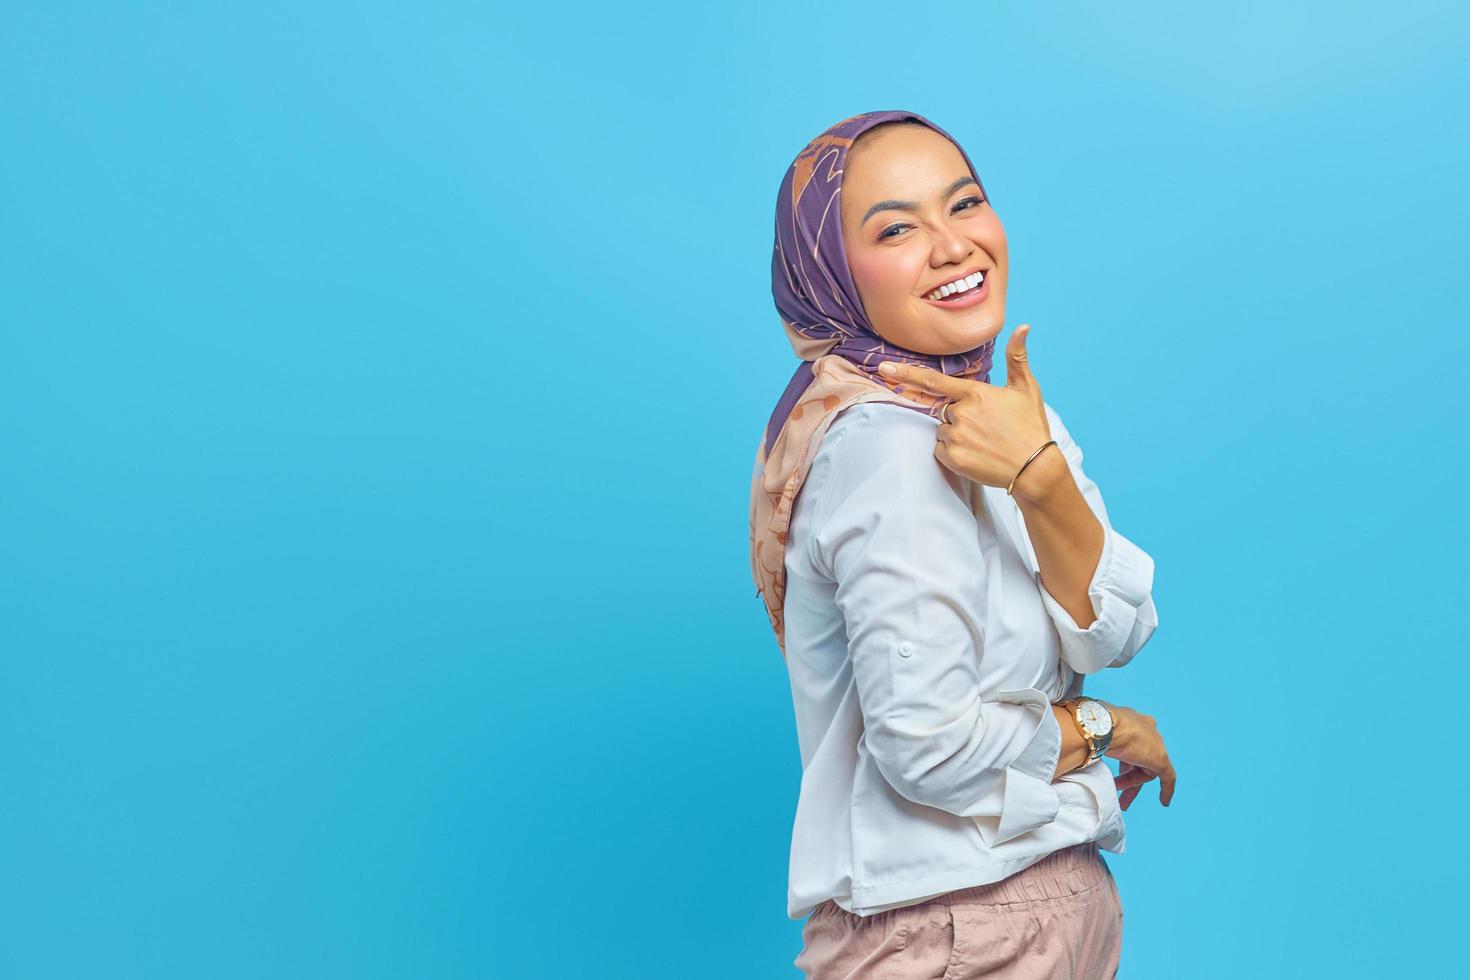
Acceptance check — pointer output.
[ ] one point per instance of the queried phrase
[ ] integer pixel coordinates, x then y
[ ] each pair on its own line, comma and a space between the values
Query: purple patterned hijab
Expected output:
812, 283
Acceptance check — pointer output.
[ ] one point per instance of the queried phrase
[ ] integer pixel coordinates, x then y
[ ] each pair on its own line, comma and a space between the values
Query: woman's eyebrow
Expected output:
913, 205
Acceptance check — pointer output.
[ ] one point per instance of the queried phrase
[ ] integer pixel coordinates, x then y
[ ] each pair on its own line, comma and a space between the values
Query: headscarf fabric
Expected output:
840, 351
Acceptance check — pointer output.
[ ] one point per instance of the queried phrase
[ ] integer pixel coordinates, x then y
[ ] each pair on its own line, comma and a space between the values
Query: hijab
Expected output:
840, 351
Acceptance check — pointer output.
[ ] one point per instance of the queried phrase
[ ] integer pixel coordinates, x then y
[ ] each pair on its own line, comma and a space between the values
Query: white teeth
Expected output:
958, 286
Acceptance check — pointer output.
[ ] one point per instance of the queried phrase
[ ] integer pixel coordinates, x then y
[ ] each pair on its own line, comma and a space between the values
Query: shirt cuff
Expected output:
1119, 588
1028, 799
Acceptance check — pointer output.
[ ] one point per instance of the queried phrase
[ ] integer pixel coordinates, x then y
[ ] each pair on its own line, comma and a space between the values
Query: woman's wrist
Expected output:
1041, 481
1075, 752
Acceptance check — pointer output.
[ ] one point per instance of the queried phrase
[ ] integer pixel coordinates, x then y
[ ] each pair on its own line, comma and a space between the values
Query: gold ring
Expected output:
944, 412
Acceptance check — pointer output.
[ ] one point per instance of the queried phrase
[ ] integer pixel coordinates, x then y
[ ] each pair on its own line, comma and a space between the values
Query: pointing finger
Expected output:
925, 378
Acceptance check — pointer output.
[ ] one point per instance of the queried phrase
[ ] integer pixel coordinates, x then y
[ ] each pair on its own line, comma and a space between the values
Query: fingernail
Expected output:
886, 367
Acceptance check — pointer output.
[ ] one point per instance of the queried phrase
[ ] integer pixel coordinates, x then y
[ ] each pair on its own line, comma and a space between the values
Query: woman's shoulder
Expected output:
871, 439
882, 422
888, 431
876, 473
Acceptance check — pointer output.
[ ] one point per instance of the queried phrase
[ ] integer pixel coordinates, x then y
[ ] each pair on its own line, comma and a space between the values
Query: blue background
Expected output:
378, 391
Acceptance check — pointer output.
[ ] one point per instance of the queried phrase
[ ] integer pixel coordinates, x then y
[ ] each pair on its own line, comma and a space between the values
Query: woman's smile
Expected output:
962, 300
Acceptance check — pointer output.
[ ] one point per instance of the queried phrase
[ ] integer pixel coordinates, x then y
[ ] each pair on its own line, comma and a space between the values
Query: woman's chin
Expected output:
960, 337
954, 333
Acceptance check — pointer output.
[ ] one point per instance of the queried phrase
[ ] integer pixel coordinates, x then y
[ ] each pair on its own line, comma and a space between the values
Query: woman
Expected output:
940, 575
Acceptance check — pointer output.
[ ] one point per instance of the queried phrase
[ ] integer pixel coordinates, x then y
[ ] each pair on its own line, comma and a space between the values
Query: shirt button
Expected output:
905, 649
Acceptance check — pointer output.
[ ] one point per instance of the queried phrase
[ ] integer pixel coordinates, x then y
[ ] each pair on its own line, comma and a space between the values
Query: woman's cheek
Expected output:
886, 280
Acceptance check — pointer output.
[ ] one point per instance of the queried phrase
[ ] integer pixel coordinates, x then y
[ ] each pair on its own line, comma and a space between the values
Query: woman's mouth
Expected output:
963, 293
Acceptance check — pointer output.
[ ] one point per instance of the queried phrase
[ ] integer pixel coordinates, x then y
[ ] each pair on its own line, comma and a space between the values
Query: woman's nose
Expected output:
951, 246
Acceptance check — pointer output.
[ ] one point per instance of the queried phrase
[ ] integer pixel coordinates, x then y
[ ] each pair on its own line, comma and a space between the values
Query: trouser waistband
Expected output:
1061, 873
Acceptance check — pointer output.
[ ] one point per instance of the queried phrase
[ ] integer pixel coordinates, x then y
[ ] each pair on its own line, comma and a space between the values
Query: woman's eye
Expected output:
892, 230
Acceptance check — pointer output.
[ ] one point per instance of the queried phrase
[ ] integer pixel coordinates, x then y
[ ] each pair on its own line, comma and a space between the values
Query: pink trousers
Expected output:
1058, 919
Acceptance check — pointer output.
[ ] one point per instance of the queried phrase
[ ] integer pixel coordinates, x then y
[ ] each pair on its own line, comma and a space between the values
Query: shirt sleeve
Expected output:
1121, 589
899, 541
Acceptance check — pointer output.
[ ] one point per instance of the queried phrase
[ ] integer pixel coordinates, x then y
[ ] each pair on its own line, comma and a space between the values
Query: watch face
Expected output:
1094, 718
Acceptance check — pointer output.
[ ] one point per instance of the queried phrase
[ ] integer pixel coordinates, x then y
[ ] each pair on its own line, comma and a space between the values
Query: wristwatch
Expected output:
1096, 723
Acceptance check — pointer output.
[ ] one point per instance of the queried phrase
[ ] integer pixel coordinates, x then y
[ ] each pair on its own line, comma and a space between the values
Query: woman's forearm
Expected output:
1065, 533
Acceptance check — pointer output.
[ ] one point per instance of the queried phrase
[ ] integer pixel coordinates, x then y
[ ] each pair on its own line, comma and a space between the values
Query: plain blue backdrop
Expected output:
379, 385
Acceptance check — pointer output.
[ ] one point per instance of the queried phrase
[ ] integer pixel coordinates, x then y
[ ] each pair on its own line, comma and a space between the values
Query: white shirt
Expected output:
924, 654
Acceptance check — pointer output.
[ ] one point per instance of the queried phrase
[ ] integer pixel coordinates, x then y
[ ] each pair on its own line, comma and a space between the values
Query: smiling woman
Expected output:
917, 263
936, 628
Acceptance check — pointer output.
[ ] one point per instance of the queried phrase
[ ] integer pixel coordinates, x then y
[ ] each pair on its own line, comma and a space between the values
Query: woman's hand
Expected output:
992, 431
1138, 746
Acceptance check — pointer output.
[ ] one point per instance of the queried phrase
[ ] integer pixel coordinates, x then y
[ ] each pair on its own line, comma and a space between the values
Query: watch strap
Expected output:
1071, 705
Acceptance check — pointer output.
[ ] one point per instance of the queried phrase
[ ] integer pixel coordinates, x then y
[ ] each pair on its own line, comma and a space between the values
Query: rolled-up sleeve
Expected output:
899, 541
1121, 587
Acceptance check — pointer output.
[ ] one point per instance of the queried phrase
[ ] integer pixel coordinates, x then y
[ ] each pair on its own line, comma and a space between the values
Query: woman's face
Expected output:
913, 219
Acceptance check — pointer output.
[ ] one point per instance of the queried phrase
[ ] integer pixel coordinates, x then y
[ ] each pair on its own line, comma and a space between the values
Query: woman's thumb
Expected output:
1018, 364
